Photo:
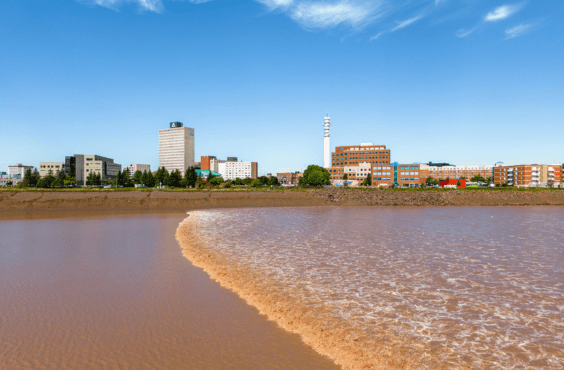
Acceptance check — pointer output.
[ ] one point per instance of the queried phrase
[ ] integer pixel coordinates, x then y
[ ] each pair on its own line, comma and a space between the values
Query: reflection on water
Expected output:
454, 287
116, 293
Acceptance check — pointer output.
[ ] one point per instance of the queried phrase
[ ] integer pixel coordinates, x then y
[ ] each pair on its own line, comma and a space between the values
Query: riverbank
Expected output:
13, 203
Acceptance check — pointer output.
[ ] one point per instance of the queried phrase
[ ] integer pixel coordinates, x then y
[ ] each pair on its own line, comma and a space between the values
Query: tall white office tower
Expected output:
327, 144
176, 147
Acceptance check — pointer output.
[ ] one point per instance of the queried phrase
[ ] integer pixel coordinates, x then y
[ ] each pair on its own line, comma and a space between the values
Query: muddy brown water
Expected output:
419, 288
117, 293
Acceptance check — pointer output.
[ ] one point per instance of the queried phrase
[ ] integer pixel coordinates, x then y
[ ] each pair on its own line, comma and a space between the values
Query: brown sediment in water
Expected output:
349, 347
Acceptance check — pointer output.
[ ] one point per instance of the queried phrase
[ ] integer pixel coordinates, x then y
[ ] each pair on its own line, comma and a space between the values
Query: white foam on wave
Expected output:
466, 293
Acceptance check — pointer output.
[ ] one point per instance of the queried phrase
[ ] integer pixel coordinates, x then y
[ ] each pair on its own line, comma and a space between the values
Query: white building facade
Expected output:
242, 170
54, 167
176, 147
19, 169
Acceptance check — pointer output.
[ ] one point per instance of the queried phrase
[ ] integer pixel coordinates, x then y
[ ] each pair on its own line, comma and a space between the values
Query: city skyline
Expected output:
465, 83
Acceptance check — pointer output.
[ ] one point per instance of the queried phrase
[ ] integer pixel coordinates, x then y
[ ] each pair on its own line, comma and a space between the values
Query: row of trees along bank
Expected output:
162, 177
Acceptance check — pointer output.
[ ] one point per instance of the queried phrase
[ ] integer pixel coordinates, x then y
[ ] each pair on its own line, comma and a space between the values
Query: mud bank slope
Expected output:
36, 201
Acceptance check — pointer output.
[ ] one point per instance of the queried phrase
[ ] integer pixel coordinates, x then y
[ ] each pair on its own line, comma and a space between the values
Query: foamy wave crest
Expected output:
442, 292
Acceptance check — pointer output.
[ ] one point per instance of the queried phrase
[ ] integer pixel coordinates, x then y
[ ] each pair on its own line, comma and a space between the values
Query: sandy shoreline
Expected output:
22, 204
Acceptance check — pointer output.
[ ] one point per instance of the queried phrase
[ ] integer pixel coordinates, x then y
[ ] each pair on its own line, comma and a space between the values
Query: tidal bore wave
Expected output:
396, 289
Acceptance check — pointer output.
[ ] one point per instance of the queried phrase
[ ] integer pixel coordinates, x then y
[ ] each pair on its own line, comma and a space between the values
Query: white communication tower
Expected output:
327, 144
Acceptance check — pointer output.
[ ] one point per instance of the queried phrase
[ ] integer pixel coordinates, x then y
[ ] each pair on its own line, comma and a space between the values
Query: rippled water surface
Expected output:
478, 287
117, 293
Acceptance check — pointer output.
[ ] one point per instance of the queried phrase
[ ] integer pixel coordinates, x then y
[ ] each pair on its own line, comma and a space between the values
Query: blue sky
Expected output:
463, 81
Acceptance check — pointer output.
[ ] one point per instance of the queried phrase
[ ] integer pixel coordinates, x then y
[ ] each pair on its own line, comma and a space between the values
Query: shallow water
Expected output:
117, 293
476, 287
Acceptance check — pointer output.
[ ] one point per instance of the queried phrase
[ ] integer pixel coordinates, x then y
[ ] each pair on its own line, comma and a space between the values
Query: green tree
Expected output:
138, 177
257, 183
148, 179
126, 180
118, 180
30, 179
462, 178
315, 176
216, 181
458, 184
488, 180
161, 176
70, 180
478, 178
190, 178
263, 180
9, 183
97, 179
174, 179
228, 184
238, 181
248, 181
50, 179
273, 181
429, 180
43, 183
210, 176
60, 178
345, 177
367, 181
90, 179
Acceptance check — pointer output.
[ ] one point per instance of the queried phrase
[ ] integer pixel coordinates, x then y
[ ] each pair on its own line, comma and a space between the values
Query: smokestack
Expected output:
327, 144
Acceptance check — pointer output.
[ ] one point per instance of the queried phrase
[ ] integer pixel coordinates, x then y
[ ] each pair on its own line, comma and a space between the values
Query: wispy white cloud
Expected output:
274, 4
406, 23
149, 5
502, 12
463, 33
519, 30
322, 14
399, 26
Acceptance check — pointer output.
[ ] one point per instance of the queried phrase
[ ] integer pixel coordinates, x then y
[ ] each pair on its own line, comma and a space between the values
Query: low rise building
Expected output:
9, 180
398, 175
528, 175
85, 164
137, 167
53, 167
356, 154
289, 178
443, 171
19, 169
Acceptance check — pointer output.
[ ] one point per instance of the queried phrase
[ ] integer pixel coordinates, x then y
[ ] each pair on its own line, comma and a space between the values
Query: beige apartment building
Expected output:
456, 172
138, 167
528, 175
54, 167
176, 147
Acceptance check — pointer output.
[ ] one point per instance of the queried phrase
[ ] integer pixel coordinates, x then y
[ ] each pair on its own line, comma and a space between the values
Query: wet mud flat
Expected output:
19, 204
